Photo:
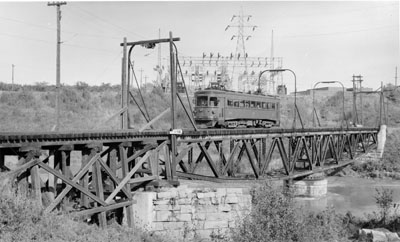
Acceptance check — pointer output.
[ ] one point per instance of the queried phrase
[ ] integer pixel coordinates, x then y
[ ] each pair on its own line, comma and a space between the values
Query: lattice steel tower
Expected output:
239, 22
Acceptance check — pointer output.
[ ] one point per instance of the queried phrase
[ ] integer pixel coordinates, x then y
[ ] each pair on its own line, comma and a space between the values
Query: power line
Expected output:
64, 31
341, 32
49, 42
109, 23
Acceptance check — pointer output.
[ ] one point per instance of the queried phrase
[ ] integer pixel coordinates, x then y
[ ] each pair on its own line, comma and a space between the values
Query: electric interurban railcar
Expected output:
229, 109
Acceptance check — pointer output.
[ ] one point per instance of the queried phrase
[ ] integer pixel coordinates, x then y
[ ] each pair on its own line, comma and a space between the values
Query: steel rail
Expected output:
15, 139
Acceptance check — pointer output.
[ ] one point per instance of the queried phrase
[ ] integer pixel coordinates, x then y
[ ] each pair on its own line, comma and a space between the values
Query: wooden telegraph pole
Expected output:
58, 5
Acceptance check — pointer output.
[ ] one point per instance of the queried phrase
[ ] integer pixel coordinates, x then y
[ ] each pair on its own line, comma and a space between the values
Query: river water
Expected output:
356, 195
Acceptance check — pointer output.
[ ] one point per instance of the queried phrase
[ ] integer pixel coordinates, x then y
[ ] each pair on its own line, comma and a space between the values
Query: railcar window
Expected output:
264, 105
252, 104
247, 104
269, 105
258, 104
230, 103
241, 104
236, 103
273, 106
202, 101
214, 101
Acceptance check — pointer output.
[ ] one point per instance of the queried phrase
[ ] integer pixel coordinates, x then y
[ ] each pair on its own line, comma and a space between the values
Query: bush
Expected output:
275, 217
22, 219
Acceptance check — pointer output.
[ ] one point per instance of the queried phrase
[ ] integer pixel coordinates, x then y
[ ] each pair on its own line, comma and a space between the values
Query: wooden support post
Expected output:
154, 164
167, 158
112, 160
2, 162
190, 158
123, 158
23, 184
99, 192
85, 180
65, 159
35, 179
50, 180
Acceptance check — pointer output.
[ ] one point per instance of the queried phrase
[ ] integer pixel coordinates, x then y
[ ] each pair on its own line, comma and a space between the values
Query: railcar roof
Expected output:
233, 93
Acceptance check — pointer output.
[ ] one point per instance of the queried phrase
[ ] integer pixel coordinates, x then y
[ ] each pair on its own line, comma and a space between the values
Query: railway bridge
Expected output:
96, 172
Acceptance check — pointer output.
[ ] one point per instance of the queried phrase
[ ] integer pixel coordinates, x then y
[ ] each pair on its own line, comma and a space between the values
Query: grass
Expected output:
22, 219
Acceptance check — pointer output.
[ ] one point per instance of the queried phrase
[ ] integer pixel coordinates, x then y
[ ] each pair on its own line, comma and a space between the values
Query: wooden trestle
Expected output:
111, 165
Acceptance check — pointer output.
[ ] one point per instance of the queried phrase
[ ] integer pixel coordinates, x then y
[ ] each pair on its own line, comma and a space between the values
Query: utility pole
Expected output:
395, 78
58, 5
159, 81
12, 78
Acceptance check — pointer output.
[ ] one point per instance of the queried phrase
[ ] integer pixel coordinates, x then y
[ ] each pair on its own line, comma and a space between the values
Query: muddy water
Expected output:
356, 195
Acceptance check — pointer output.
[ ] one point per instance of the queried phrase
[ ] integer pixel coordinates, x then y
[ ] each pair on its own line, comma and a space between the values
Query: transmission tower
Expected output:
241, 23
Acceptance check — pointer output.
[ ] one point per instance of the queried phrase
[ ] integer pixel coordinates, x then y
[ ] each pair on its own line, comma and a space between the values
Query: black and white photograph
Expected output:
218, 121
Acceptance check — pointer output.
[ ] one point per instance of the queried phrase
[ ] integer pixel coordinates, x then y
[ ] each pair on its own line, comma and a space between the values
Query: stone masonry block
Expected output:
206, 209
224, 208
187, 209
184, 201
157, 226
165, 216
186, 217
162, 202
167, 208
245, 200
217, 216
215, 224
200, 216
198, 224
216, 200
231, 198
209, 194
220, 192
205, 201
173, 225
234, 191
204, 233
200, 195
184, 193
167, 195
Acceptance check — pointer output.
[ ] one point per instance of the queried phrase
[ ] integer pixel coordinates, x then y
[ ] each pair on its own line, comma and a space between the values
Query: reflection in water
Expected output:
356, 195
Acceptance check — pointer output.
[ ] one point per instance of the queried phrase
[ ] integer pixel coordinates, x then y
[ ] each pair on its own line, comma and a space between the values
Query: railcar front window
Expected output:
202, 101
230, 103
214, 101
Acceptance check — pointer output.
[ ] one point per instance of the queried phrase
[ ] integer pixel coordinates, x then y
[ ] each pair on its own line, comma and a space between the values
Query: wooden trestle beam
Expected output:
113, 167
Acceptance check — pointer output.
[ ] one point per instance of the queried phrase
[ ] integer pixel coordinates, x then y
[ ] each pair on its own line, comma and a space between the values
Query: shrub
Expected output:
275, 217
22, 219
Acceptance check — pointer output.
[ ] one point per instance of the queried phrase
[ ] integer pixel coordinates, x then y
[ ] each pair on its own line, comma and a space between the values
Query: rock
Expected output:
379, 235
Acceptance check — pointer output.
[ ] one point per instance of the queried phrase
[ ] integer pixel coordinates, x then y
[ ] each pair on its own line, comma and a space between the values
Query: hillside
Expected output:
83, 107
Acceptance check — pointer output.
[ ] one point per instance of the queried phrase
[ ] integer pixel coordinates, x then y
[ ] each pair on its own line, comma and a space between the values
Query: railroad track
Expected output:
12, 139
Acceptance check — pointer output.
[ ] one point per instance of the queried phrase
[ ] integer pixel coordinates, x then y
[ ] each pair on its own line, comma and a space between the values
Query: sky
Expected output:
318, 40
